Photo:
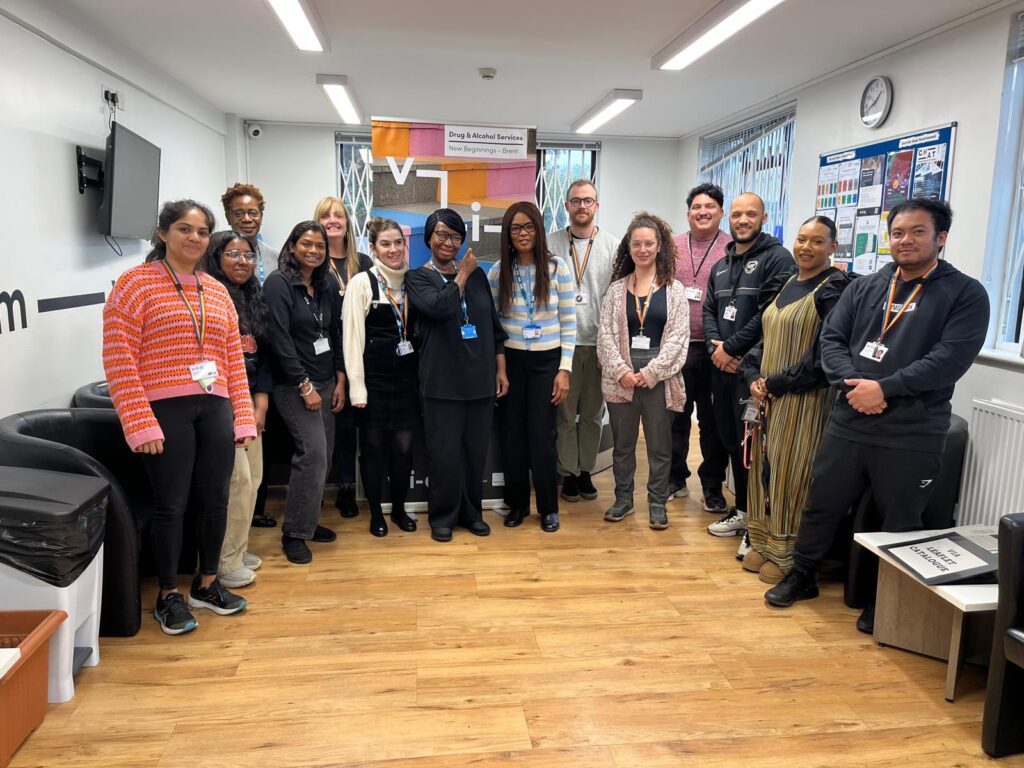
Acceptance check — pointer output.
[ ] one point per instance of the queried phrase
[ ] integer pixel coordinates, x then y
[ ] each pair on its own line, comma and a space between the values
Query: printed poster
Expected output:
849, 183
828, 184
845, 219
928, 171
865, 244
897, 178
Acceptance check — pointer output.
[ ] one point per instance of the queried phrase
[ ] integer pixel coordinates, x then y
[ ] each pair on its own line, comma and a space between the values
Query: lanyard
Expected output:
318, 314
259, 261
198, 324
580, 269
699, 267
642, 315
529, 301
400, 309
342, 284
887, 324
444, 278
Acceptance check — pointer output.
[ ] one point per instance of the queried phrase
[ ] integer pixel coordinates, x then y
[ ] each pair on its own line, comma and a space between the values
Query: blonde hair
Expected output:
351, 256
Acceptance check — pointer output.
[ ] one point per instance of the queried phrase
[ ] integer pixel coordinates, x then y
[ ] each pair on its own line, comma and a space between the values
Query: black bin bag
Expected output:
51, 523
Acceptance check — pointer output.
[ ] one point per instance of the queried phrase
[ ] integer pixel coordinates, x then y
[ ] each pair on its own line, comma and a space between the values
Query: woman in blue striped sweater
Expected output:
535, 296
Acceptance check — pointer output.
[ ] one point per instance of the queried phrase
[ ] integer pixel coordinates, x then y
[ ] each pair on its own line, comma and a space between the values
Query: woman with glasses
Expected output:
243, 208
173, 360
462, 369
231, 260
309, 379
642, 345
381, 365
536, 300
345, 263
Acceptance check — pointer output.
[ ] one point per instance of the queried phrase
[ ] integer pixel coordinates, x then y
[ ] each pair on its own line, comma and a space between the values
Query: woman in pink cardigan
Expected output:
641, 345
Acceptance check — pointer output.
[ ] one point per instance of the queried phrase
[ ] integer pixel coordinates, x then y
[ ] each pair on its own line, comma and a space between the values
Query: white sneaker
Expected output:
732, 523
744, 546
251, 561
677, 492
240, 577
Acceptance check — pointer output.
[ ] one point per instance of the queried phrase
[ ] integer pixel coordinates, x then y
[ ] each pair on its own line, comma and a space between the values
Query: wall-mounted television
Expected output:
131, 185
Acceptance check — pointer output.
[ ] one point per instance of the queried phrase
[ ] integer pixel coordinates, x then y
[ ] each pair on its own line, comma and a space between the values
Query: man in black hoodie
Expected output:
732, 325
894, 346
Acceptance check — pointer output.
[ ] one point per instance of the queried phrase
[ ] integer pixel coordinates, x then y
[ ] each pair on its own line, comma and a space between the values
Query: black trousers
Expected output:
714, 458
385, 452
458, 434
728, 401
198, 458
528, 423
901, 482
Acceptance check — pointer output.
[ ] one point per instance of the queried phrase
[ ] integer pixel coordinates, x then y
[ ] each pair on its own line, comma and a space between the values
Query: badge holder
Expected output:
693, 293
730, 312
322, 345
404, 348
205, 374
641, 342
531, 331
468, 331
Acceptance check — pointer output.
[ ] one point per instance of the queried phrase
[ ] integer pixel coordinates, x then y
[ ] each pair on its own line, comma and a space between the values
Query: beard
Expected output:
744, 240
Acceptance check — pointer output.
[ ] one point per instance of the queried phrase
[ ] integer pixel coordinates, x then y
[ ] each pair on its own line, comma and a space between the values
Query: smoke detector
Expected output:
488, 73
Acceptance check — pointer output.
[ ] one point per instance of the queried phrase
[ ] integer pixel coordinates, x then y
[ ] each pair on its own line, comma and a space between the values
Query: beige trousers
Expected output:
245, 481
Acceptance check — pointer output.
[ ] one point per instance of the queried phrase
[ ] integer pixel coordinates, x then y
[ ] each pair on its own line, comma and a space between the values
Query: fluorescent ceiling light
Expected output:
614, 103
299, 22
342, 97
713, 29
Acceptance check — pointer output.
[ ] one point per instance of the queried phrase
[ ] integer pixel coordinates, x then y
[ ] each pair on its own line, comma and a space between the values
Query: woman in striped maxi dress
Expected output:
785, 379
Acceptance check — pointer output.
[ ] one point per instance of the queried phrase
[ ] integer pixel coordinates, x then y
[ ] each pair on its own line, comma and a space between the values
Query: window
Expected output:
355, 180
558, 166
1003, 274
754, 157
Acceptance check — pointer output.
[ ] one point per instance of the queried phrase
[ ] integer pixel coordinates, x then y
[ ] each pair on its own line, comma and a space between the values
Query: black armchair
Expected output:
1002, 730
95, 395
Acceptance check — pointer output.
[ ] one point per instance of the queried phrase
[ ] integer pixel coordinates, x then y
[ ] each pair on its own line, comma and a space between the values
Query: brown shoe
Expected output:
770, 573
753, 560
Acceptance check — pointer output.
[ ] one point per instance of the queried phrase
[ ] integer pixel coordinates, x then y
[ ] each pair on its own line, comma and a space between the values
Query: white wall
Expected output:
48, 231
636, 175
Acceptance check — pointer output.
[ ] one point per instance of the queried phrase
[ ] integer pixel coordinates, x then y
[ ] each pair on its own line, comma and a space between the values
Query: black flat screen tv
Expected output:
131, 185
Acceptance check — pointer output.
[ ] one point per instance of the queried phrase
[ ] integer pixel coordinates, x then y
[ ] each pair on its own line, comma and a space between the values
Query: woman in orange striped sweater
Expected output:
173, 360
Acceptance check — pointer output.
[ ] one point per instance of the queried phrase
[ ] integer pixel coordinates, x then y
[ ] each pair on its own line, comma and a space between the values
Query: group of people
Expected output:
355, 352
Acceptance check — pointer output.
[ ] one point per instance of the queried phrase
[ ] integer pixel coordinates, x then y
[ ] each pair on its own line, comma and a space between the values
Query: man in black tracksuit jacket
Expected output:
889, 427
732, 325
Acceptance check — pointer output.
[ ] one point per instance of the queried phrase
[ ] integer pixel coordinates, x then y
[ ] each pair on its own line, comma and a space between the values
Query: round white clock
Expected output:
876, 101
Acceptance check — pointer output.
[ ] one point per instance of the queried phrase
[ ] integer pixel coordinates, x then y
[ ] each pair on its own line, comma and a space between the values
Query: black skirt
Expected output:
392, 402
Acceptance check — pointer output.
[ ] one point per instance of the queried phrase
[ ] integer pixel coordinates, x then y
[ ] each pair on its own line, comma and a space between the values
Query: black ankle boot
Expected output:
402, 520
797, 585
378, 525
586, 486
346, 501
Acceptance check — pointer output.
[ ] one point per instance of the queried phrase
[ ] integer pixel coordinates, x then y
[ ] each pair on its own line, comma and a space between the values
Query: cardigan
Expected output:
613, 347
149, 342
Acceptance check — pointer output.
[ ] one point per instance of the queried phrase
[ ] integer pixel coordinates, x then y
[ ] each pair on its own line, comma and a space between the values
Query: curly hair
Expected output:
248, 297
241, 190
541, 255
664, 262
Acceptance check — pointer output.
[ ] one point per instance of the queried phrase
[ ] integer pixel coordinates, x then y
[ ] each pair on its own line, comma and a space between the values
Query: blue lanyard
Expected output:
465, 309
397, 308
530, 303
259, 259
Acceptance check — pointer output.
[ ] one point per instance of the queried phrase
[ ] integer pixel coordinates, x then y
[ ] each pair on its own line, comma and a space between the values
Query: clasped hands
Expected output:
865, 396
722, 360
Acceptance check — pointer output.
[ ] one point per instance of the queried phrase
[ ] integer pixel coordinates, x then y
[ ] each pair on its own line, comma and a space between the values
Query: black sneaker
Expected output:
215, 598
174, 616
345, 503
796, 585
715, 502
324, 535
586, 486
570, 488
296, 550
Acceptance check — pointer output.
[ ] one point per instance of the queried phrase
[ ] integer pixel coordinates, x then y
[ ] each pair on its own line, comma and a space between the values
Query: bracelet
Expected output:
305, 388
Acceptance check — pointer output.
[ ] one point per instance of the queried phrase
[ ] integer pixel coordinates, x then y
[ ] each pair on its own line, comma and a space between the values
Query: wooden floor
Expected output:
601, 645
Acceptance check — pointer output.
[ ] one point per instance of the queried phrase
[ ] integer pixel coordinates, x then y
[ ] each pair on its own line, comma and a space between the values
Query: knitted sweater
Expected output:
149, 342
693, 268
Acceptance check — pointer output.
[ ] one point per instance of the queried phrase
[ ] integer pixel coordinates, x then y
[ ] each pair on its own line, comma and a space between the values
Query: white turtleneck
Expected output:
358, 297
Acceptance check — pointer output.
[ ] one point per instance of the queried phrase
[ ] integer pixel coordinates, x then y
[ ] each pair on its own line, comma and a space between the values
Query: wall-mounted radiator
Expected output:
993, 483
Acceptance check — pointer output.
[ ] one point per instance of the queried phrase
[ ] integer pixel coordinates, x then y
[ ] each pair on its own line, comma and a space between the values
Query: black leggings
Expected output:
386, 452
198, 457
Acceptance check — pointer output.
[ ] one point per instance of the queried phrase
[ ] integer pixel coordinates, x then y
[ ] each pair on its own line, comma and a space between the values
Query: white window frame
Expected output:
551, 189
355, 183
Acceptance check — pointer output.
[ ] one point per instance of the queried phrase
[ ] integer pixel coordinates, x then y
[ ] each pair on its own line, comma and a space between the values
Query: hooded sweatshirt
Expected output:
931, 346
738, 280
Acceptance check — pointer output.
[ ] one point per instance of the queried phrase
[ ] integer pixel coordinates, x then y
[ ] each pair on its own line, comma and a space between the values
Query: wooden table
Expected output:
953, 622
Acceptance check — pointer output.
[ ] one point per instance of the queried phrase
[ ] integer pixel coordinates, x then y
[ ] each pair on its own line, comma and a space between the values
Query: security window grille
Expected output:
755, 157
355, 180
558, 166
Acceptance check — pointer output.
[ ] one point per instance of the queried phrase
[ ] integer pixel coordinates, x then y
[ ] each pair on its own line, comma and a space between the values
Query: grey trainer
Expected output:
618, 511
658, 516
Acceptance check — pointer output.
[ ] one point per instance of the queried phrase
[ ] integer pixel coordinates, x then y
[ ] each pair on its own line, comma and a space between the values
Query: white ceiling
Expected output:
419, 58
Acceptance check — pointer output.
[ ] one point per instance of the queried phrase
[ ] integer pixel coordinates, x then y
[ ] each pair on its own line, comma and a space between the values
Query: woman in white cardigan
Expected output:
382, 373
641, 345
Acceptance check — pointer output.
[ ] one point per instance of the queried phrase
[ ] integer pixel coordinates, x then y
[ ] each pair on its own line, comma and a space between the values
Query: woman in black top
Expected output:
345, 263
462, 368
308, 373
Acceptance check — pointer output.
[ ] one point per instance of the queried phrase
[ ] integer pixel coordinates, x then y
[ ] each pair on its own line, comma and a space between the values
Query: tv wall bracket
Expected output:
87, 165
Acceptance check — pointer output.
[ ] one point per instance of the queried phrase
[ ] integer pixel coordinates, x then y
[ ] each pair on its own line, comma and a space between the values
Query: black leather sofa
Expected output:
1002, 730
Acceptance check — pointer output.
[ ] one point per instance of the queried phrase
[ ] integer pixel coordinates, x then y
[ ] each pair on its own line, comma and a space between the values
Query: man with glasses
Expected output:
243, 207
589, 252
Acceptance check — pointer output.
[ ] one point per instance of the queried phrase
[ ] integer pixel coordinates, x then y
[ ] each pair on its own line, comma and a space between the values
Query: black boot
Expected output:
401, 519
586, 486
346, 501
570, 488
866, 620
797, 585
378, 525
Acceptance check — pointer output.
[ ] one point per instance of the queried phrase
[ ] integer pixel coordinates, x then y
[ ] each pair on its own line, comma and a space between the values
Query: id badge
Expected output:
730, 312
469, 331
582, 299
750, 413
693, 293
874, 350
321, 345
205, 369
404, 348
641, 342
531, 331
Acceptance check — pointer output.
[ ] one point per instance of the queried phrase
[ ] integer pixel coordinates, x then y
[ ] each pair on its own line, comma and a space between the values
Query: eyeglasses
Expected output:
241, 213
448, 237
528, 228
236, 255
585, 202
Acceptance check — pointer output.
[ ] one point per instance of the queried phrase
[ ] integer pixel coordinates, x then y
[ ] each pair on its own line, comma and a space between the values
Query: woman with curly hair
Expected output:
641, 345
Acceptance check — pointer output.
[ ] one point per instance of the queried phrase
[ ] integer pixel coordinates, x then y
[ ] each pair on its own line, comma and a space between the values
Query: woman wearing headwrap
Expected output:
462, 369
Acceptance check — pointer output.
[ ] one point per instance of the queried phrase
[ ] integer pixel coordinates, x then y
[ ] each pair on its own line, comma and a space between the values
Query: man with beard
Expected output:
895, 345
589, 252
732, 325
243, 207
697, 253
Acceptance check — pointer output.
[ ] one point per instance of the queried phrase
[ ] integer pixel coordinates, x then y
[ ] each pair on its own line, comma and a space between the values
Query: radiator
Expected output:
993, 483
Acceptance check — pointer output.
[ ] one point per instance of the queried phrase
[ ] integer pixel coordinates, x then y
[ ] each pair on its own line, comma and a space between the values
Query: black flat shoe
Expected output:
866, 620
378, 527
549, 522
441, 534
324, 535
515, 517
346, 503
403, 521
296, 550
478, 528
263, 521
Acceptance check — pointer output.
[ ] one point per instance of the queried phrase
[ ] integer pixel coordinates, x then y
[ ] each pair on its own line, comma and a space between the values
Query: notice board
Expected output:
858, 186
